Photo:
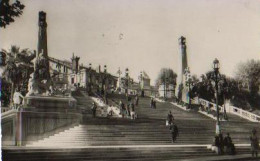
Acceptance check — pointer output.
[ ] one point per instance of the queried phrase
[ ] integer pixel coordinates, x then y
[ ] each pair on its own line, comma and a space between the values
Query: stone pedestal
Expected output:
50, 103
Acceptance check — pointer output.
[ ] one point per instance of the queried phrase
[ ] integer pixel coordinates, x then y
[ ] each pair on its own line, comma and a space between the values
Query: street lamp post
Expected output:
224, 100
104, 83
216, 79
141, 82
189, 83
164, 74
126, 82
89, 80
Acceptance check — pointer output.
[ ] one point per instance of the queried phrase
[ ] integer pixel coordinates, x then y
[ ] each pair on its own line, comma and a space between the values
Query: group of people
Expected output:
224, 145
127, 110
153, 103
172, 126
227, 146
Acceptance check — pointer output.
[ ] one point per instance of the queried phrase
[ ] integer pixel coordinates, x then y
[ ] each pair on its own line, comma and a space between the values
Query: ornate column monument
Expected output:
42, 41
183, 64
40, 81
42, 34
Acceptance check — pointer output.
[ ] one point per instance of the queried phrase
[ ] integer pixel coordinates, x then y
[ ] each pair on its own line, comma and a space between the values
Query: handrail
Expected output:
232, 109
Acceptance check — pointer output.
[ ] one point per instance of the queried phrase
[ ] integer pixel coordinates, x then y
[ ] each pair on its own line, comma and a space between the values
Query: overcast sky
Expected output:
143, 34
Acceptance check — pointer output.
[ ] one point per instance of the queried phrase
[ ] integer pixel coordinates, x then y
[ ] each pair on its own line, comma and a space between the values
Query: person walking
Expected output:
154, 103
136, 100
128, 110
170, 118
123, 112
151, 103
94, 109
254, 143
174, 131
132, 111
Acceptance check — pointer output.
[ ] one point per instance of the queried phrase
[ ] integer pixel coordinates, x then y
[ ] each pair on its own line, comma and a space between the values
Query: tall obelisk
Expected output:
183, 63
42, 41
42, 34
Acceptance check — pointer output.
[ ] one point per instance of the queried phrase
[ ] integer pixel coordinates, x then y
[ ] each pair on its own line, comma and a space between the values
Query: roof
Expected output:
145, 75
68, 64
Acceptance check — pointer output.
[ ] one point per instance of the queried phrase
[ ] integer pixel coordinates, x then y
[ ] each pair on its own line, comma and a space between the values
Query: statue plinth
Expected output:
50, 103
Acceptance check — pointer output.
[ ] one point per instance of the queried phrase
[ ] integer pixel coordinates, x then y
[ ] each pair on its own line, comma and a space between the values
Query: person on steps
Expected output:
132, 111
94, 109
174, 131
154, 104
254, 143
217, 144
136, 100
221, 143
228, 145
170, 118
151, 103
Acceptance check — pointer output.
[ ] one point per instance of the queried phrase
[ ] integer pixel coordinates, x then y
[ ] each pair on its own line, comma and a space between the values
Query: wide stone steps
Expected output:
77, 143
115, 153
109, 154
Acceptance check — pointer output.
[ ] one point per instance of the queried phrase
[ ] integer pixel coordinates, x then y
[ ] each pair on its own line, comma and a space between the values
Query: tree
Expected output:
8, 11
204, 89
248, 73
18, 68
166, 76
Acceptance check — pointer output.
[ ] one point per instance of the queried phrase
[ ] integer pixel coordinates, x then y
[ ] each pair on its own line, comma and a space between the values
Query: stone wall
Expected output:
23, 127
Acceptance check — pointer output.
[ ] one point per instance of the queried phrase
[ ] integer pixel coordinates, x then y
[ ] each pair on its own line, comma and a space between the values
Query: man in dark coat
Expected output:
94, 109
151, 103
174, 131
170, 118
136, 100
221, 143
254, 143
217, 144
154, 104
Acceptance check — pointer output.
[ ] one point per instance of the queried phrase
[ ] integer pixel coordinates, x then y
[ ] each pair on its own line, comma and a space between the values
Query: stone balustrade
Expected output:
230, 109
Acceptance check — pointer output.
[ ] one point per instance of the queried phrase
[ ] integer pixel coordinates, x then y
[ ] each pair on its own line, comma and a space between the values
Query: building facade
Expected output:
71, 74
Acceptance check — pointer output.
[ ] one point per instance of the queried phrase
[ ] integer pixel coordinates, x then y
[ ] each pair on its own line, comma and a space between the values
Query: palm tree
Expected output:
18, 67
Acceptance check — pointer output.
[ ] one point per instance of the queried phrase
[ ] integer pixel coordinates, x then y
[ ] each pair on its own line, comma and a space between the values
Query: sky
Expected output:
143, 34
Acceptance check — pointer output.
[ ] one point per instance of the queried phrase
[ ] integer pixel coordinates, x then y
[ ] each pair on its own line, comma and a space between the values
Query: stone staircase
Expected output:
75, 136
107, 154
146, 138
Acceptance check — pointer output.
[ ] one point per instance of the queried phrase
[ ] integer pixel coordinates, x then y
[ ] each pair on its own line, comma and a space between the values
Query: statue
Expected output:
39, 81
32, 86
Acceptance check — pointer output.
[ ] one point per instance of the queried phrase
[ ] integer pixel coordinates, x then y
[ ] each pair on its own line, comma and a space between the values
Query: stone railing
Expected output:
209, 105
230, 109
5, 109
242, 113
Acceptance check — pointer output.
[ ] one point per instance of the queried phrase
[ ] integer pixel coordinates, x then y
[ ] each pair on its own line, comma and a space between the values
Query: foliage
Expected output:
18, 68
248, 74
166, 76
5, 93
232, 89
8, 11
